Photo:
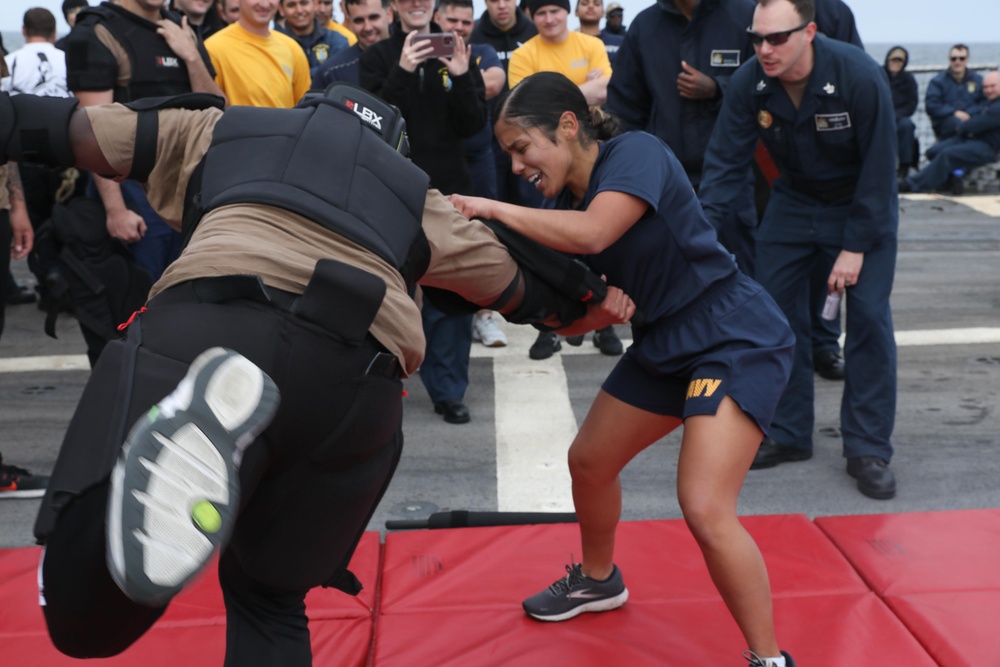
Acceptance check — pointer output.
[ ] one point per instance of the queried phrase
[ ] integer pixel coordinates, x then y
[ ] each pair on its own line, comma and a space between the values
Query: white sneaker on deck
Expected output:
486, 330
175, 488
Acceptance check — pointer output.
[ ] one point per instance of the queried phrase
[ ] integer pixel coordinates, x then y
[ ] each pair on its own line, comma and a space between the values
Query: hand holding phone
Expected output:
442, 43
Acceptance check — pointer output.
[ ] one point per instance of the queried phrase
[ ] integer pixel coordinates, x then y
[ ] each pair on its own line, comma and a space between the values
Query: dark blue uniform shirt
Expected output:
319, 45
841, 140
484, 57
342, 66
836, 20
984, 125
643, 89
612, 43
667, 259
945, 96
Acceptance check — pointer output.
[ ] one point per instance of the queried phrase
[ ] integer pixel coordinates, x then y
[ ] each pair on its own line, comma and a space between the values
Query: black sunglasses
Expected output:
774, 38
958, 58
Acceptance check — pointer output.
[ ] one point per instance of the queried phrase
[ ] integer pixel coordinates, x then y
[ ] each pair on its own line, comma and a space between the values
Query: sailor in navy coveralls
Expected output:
824, 112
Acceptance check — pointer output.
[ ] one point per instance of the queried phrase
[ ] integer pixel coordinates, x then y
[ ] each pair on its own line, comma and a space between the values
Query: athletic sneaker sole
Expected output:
21, 493
175, 488
604, 604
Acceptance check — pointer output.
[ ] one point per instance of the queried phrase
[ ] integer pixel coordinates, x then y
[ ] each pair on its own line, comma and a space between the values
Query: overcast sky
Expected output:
905, 21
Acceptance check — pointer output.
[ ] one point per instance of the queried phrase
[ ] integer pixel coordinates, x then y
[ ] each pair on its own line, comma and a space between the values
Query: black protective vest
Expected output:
322, 163
156, 70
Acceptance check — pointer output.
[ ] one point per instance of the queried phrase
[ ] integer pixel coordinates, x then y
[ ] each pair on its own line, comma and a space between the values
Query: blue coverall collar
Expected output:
823, 82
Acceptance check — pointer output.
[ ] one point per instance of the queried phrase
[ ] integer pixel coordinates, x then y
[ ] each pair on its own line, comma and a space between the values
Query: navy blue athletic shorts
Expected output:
734, 341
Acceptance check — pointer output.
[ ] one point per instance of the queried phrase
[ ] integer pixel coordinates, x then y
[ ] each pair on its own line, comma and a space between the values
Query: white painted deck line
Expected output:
972, 336
534, 425
985, 204
521, 339
65, 362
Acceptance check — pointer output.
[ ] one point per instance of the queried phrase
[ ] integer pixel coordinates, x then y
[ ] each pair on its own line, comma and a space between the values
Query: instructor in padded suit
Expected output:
292, 289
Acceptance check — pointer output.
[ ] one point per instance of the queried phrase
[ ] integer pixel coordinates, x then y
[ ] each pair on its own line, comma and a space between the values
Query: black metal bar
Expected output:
467, 519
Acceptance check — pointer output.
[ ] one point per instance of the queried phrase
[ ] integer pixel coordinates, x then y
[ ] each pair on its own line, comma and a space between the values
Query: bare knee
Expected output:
710, 520
590, 468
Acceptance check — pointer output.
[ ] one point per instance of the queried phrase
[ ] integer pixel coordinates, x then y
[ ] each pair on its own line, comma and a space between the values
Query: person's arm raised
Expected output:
588, 232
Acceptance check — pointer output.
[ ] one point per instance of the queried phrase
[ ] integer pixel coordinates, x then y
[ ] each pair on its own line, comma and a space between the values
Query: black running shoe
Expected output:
19, 483
757, 661
575, 594
608, 342
544, 346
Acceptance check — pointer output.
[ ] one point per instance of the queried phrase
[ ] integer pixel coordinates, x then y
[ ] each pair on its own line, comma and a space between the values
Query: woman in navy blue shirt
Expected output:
713, 353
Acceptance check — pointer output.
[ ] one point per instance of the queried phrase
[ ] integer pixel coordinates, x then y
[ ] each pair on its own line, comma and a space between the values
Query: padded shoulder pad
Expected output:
191, 101
36, 129
379, 116
148, 125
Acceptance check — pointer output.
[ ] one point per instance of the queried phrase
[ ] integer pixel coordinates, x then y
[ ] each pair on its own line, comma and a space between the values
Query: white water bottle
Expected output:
831, 309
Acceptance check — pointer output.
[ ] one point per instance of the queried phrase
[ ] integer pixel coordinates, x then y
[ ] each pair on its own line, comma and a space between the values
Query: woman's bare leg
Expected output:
716, 452
611, 435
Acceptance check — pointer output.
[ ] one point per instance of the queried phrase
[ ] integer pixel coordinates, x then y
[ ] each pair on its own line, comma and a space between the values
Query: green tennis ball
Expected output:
206, 517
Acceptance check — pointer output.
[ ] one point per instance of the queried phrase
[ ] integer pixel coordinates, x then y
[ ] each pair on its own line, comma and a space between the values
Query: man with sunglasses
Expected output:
954, 95
824, 111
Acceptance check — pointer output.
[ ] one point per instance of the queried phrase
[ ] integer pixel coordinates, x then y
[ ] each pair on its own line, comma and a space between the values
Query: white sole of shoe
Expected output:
175, 488
22, 493
607, 604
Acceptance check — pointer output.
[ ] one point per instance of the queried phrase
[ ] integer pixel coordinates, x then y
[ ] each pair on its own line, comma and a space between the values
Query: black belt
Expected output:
251, 288
827, 195
226, 288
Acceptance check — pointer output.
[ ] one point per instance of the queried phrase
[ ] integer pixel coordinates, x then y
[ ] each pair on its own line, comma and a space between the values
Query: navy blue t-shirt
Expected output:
671, 255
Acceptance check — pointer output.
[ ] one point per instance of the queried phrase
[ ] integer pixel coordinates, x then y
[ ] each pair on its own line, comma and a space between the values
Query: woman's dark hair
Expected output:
541, 99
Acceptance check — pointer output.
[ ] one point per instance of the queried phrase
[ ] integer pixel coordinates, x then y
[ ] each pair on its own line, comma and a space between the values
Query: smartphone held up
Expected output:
442, 43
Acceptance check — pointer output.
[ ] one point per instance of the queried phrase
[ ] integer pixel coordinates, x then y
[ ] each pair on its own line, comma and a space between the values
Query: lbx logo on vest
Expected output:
366, 114
168, 61
702, 387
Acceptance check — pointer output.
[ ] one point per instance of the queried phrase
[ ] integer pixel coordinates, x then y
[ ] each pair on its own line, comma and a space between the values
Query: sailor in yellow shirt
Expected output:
581, 58
256, 66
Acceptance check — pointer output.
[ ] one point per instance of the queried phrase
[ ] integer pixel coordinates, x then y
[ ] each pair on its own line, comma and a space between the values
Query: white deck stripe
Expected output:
521, 339
985, 204
535, 426
973, 336
65, 362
